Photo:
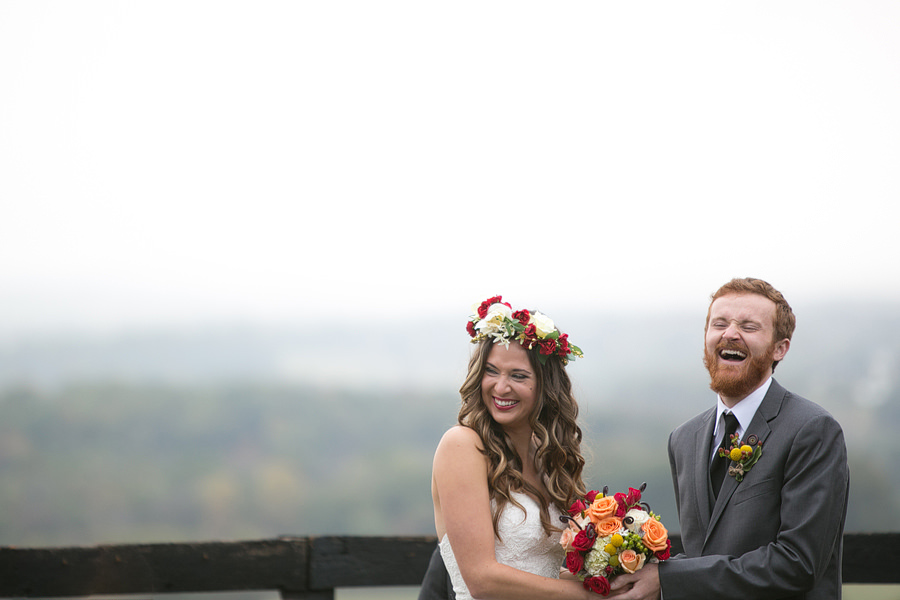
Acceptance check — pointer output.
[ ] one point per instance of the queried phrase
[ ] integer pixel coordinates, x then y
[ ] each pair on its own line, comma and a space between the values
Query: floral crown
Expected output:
496, 319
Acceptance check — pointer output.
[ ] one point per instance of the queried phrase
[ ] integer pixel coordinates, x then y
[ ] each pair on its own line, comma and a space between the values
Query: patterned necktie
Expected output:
719, 465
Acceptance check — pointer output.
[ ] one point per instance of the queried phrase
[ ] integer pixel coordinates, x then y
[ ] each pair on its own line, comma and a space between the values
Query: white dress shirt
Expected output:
743, 411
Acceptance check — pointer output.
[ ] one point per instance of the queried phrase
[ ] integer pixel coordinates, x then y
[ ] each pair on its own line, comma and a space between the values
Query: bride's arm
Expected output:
463, 508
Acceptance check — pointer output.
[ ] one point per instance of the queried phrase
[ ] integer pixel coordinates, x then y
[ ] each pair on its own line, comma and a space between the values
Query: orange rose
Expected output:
631, 561
602, 507
655, 535
608, 526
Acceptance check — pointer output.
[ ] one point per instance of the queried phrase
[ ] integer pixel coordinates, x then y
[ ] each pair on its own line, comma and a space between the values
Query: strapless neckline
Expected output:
523, 543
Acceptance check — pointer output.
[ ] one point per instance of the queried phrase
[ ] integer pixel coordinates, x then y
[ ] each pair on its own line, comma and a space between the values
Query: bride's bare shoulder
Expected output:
459, 461
460, 443
460, 436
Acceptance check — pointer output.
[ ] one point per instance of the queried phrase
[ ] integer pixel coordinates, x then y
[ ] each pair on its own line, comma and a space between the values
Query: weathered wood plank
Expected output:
368, 561
320, 595
372, 561
154, 568
871, 558
299, 568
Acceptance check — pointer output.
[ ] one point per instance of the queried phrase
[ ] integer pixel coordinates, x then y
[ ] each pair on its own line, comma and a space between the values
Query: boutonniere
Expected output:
742, 454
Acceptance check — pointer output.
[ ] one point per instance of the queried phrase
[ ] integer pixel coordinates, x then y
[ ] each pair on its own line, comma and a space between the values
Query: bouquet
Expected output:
608, 535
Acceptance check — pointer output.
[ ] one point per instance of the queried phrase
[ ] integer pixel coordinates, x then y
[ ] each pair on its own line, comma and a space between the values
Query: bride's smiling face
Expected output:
508, 386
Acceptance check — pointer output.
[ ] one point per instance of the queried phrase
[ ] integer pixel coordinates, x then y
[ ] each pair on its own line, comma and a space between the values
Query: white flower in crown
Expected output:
543, 324
494, 322
497, 312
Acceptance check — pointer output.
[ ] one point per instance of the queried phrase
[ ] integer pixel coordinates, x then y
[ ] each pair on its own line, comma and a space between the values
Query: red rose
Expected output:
598, 585
591, 496
664, 554
583, 540
529, 337
574, 562
627, 501
563, 344
522, 316
470, 327
548, 347
577, 507
483, 309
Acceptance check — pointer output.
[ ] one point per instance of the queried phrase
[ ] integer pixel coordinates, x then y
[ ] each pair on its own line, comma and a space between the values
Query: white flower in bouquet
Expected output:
596, 561
635, 518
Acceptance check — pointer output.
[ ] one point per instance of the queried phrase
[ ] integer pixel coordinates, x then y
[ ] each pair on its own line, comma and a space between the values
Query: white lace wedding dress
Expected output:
525, 545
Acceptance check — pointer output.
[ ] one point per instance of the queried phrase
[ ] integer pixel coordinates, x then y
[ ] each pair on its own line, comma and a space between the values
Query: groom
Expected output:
777, 533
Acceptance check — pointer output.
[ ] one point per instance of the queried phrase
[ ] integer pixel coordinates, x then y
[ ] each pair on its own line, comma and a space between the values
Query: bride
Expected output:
503, 476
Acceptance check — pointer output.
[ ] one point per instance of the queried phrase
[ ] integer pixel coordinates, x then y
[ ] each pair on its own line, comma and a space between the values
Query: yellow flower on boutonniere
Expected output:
743, 455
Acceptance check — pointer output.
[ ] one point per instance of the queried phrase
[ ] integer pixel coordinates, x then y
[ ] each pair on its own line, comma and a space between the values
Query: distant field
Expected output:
851, 592
383, 593
871, 592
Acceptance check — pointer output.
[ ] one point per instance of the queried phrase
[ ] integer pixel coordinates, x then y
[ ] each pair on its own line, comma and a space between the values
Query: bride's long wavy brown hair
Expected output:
556, 431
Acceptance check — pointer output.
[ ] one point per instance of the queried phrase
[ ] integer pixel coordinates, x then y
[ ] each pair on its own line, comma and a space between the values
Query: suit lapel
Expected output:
759, 426
703, 446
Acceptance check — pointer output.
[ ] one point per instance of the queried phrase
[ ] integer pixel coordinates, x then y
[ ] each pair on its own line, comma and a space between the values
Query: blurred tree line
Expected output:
113, 463
247, 434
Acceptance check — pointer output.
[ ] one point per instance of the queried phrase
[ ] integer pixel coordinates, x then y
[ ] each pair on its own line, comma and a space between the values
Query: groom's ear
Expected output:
781, 348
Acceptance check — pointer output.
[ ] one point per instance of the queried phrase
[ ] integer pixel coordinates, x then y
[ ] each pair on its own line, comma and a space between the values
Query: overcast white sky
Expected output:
188, 161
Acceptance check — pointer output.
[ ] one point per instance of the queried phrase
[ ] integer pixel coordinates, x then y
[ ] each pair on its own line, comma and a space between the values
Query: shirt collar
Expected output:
743, 410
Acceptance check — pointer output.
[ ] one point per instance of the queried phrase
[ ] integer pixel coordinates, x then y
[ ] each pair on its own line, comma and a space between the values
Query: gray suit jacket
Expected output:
436, 585
776, 534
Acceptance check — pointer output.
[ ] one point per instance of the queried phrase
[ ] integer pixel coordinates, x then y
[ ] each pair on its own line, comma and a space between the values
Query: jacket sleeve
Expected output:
436, 583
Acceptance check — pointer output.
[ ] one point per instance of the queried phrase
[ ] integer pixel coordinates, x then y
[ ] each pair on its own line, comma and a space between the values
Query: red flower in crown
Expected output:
522, 316
563, 342
483, 309
548, 347
529, 337
470, 327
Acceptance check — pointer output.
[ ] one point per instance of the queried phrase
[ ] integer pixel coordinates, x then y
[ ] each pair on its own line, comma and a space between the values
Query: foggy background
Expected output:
239, 242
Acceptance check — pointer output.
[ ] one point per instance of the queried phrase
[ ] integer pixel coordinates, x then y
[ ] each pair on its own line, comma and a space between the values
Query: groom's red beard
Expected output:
737, 380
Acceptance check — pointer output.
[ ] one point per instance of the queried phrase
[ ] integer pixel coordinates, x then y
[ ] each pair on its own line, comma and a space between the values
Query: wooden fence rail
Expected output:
299, 568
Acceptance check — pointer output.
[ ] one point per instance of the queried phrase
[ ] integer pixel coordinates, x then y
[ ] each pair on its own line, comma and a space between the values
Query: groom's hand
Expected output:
644, 584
